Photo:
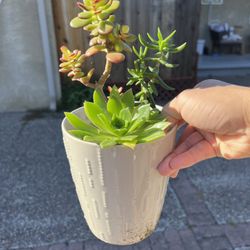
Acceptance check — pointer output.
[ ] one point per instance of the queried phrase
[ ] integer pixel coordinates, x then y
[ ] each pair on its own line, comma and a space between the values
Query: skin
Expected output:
217, 115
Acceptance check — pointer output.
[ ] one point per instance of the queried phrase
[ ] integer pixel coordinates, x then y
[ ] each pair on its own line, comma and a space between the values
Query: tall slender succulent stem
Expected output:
106, 74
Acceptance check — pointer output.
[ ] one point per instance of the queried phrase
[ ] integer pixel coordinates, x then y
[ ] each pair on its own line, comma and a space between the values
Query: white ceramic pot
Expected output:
120, 191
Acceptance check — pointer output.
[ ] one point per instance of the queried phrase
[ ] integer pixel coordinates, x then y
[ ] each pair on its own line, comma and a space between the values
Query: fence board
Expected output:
187, 15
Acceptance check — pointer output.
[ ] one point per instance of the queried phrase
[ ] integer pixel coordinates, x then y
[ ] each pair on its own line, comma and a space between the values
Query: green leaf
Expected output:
129, 144
164, 85
106, 124
92, 111
114, 6
99, 3
114, 106
162, 125
136, 124
79, 124
125, 114
128, 99
167, 65
179, 48
98, 138
85, 14
169, 37
105, 27
99, 99
128, 138
104, 15
79, 23
145, 51
136, 52
152, 39
159, 34
151, 135
146, 44
125, 29
143, 112
80, 133
107, 143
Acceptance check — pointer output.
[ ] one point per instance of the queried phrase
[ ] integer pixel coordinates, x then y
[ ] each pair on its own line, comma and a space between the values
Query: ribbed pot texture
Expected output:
120, 191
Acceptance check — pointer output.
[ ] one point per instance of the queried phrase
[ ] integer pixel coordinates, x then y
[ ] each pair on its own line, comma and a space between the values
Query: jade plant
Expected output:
121, 118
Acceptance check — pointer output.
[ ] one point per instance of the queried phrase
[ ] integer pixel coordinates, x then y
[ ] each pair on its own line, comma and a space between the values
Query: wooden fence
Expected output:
142, 16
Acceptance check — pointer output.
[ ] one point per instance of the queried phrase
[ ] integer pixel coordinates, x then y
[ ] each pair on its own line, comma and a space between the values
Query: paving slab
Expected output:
224, 185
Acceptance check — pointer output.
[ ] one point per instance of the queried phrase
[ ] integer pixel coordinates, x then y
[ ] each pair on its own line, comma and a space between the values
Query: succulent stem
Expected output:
106, 74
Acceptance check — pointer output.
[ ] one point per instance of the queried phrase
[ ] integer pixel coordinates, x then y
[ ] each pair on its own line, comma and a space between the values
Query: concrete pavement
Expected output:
207, 206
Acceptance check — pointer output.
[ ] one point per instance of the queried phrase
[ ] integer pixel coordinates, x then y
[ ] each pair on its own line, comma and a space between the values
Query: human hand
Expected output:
218, 118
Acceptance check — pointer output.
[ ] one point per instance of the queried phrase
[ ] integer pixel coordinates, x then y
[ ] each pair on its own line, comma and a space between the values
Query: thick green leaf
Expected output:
136, 52
179, 48
162, 125
152, 39
92, 111
105, 27
147, 44
114, 6
152, 135
100, 3
129, 144
107, 143
125, 114
159, 34
106, 124
85, 15
128, 138
164, 85
99, 99
143, 112
114, 106
128, 99
136, 124
104, 15
97, 139
79, 23
80, 133
169, 37
79, 124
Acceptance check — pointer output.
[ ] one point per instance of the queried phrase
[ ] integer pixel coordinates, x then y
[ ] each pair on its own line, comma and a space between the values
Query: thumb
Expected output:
172, 111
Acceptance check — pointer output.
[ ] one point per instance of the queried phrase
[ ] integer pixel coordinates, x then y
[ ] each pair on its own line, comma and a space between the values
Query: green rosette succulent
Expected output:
119, 121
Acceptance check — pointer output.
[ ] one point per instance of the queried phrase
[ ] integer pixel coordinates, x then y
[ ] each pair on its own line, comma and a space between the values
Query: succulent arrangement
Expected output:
120, 118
